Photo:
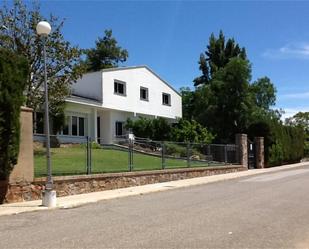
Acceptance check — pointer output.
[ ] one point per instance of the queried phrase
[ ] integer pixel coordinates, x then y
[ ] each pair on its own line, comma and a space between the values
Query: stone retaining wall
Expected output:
71, 185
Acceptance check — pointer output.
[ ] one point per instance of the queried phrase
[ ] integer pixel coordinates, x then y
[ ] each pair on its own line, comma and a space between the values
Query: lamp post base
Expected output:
49, 198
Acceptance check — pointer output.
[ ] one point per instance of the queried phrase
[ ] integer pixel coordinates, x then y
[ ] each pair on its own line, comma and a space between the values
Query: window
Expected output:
166, 99
119, 87
144, 93
74, 126
65, 130
119, 128
81, 126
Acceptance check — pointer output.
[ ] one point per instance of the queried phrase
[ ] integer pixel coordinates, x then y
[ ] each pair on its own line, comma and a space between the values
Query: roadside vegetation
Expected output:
13, 74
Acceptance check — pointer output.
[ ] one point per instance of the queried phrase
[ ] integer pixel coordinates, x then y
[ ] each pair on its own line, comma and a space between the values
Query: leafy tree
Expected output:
224, 99
186, 131
217, 56
13, 78
106, 54
225, 104
300, 119
187, 97
63, 60
264, 93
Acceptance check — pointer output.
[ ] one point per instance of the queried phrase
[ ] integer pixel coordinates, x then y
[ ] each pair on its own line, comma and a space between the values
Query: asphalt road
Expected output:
264, 211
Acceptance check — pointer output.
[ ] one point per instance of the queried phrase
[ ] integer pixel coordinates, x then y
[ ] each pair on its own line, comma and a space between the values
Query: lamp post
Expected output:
49, 195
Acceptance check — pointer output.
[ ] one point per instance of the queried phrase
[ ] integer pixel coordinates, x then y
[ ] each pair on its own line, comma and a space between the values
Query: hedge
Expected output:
283, 144
13, 75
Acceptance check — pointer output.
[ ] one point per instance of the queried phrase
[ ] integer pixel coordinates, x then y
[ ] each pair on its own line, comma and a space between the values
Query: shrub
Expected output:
157, 129
175, 150
186, 131
306, 148
13, 73
283, 143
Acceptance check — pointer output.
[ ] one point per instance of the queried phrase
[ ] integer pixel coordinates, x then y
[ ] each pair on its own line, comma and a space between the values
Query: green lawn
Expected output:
72, 160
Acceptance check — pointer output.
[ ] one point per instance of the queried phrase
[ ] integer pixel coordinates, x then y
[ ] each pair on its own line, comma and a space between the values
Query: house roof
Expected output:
73, 98
137, 67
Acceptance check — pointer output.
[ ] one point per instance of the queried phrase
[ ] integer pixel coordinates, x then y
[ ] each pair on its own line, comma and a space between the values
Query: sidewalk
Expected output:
78, 200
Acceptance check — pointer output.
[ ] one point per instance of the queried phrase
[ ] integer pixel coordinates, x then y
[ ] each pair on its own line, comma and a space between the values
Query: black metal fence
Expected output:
82, 155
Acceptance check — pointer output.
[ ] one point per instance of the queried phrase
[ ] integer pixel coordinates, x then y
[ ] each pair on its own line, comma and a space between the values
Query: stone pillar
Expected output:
242, 143
23, 171
259, 152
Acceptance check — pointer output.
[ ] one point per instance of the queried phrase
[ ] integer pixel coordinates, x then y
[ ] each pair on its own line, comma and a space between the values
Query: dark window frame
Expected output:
72, 129
74, 126
147, 93
168, 98
117, 128
116, 87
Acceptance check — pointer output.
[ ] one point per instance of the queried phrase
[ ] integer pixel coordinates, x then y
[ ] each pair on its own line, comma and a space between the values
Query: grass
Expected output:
72, 161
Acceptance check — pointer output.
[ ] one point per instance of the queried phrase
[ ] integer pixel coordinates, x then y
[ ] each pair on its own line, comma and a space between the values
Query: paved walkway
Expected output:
82, 199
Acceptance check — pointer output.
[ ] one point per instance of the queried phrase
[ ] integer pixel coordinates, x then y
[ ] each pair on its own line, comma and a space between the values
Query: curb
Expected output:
83, 199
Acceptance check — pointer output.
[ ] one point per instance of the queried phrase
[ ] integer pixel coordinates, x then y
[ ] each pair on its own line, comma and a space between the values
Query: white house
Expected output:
102, 101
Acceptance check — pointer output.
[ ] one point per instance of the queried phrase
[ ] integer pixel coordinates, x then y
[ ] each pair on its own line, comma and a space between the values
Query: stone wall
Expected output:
71, 185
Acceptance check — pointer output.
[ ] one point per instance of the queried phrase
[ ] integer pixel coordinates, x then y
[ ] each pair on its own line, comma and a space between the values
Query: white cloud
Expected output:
302, 95
289, 51
290, 112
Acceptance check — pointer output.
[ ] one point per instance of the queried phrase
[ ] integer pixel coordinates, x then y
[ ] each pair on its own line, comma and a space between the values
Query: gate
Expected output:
251, 155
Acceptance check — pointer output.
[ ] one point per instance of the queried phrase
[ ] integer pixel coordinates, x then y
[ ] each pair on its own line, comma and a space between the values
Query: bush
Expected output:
186, 131
13, 73
283, 143
157, 129
175, 150
306, 149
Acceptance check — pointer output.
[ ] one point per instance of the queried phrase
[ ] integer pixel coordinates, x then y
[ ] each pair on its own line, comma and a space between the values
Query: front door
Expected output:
251, 155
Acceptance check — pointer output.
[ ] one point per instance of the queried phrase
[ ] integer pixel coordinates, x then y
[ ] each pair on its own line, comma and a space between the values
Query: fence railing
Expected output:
81, 155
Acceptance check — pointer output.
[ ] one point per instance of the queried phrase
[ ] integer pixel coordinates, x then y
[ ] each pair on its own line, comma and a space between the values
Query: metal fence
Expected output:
81, 155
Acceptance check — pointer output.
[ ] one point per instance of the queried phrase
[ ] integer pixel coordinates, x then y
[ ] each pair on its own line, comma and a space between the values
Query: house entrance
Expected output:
251, 155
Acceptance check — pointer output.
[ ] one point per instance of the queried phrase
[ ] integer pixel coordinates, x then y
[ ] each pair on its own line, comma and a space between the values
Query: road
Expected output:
264, 211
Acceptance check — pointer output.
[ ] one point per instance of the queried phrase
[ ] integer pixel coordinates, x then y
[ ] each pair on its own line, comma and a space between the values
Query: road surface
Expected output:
264, 211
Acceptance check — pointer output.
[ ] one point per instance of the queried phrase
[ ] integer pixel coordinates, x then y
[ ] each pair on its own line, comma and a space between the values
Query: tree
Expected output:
230, 106
191, 131
106, 54
299, 119
224, 99
13, 77
264, 93
217, 55
63, 60
187, 97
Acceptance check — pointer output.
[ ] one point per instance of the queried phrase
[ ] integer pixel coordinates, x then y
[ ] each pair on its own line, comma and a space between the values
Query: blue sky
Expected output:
169, 36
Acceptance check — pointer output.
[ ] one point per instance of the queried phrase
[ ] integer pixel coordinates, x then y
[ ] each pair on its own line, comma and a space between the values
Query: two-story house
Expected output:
102, 101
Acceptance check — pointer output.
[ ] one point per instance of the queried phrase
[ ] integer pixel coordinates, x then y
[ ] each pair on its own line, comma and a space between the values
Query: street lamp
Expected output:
49, 195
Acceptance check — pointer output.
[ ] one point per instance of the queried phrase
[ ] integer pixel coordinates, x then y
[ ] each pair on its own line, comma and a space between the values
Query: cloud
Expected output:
289, 51
290, 112
302, 95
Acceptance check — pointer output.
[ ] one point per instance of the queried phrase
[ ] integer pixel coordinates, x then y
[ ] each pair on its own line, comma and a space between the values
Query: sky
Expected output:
169, 36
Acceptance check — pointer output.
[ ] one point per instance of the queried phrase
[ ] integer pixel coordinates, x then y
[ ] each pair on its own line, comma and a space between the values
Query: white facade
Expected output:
103, 100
